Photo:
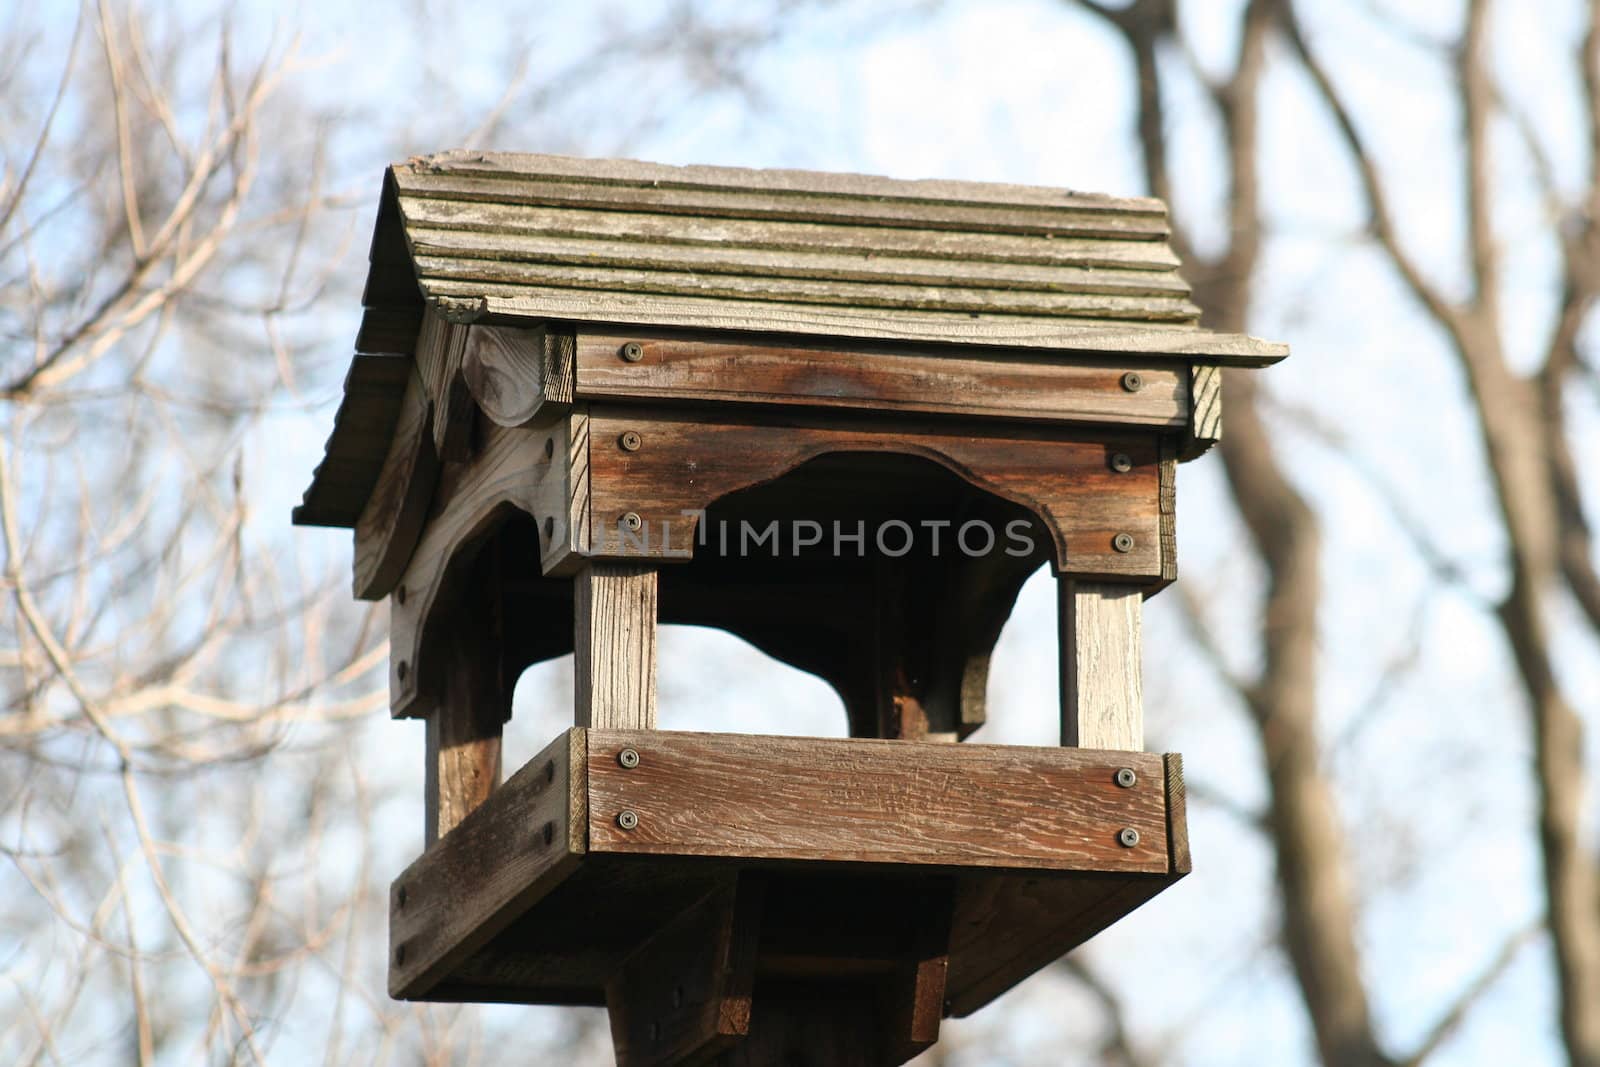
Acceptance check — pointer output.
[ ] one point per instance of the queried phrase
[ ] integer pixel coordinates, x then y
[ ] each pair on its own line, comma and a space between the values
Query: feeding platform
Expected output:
843, 418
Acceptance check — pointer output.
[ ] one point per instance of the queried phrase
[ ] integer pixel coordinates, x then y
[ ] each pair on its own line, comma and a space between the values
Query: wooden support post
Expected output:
1102, 701
614, 646
463, 760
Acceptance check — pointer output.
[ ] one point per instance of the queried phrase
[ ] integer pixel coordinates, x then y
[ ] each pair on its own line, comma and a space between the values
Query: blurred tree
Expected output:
1527, 447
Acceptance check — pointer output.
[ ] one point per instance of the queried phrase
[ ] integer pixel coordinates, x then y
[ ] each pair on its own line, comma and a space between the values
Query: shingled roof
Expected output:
518, 238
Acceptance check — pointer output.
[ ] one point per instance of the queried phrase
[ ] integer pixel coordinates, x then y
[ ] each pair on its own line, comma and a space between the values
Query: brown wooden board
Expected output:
873, 801
989, 384
686, 460
488, 870
842, 837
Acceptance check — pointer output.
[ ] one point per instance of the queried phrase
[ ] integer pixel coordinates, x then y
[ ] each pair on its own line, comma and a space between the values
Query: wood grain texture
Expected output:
387, 531
685, 995
614, 657
1101, 667
998, 385
823, 291
871, 801
1205, 411
1168, 489
686, 461
489, 870
870, 188
667, 257
522, 469
512, 373
440, 347
936, 326
463, 729
1177, 815
1068, 215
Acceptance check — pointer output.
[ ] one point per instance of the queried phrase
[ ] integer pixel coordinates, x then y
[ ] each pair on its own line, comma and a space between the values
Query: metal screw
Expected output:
631, 520
1133, 381
628, 820
1127, 837
630, 441
1126, 778
629, 758
1121, 462
632, 352
1122, 542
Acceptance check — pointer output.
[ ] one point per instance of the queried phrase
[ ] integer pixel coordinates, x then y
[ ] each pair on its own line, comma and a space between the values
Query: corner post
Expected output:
614, 646
464, 727
1102, 691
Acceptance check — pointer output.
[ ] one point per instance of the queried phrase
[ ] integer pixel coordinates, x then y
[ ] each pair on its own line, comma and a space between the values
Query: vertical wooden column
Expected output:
1102, 691
463, 729
614, 646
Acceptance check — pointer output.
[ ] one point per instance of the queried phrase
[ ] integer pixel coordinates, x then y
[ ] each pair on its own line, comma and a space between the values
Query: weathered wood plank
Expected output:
1168, 307
614, 659
1101, 673
358, 443
768, 235
1205, 411
886, 324
513, 373
685, 995
877, 267
1177, 815
1085, 218
1169, 510
684, 462
996, 385
389, 329
524, 469
440, 346
489, 870
772, 181
871, 801
387, 531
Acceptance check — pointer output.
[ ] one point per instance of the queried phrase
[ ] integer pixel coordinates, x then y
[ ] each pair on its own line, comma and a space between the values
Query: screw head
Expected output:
1126, 778
1133, 381
1122, 542
629, 758
1127, 837
1121, 462
632, 352
631, 520
630, 441
629, 820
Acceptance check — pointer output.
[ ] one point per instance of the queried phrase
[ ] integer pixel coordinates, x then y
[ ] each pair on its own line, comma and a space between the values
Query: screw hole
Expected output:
400, 897
400, 594
549, 832
400, 956
550, 771
403, 669
549, 447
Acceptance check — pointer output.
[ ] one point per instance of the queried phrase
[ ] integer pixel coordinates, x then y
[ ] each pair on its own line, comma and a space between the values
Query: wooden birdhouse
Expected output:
843, 418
